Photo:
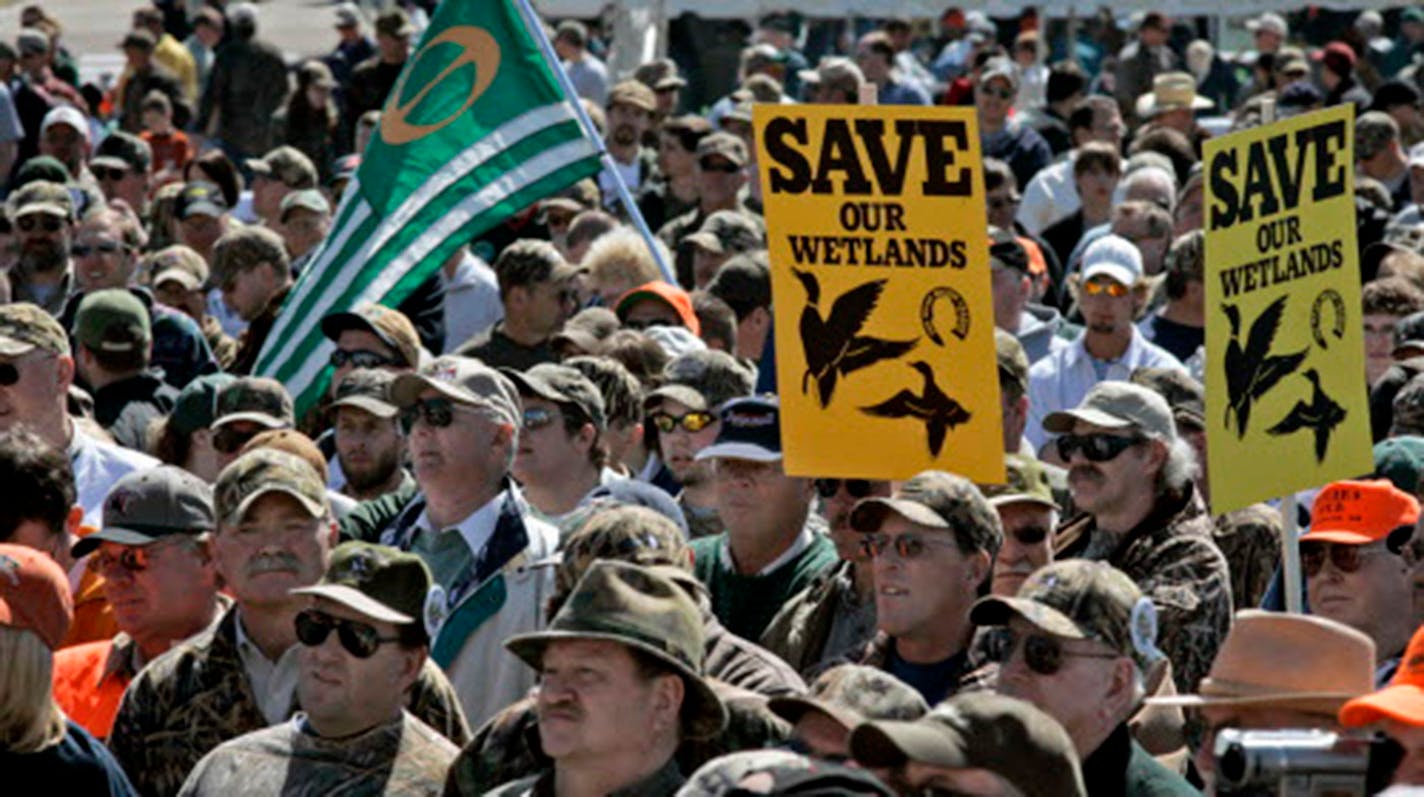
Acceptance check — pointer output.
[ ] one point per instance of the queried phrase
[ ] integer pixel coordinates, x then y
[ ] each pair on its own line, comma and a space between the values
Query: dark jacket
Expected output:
498, 350
801, 631
1121, 768
246, 87
127, 407
255, 335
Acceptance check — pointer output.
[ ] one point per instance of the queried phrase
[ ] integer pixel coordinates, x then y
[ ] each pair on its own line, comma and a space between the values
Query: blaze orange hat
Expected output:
34, 594
676, 298
1402, 700
1360, 512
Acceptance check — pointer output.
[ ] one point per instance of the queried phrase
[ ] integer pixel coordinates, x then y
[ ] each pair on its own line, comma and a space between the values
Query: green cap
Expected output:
703, 380
113, 320
1013, 362
382, 583
42, 196
1401, 460
1118, 405
938, 500
1026, 482
1009, 737
464, 380
146, 506
197, 403
634, 534
563, 386
1184, 395
262, 471
120, 150
258, 399
41, 167
727, 232
648, 612
25, 327
1081, 599
367, 389
287, 164
851, 694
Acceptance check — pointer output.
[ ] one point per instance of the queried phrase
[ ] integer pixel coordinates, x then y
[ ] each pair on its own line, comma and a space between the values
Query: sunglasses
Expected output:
1033, 535
725, 167
1003, 94
102, 173
647, 323
855, 488
9, 374
692, 422
1110, 287
228, 440
100, 248
437, 412
34, 221
1095, 447
1042, 653
359, 639
133, 560
360, 358
536, 418
1346, 558
907, 546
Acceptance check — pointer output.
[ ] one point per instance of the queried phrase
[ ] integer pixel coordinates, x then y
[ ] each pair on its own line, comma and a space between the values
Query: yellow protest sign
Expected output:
880, 284
1286, 403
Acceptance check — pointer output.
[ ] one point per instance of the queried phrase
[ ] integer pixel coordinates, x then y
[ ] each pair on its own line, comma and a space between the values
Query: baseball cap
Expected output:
1269, 22
1005, 250
938, 500
999, 68
726, 232
1409, 336
367, 389
562, 385
1013, 362
1115, 257
41, 196
181, 264
1184, 395
1373, 132
703, 380
34, 594
743, 282
25, 327
588, 329
636, 534
347, 16
1401, 460
851, 694
40, 167
32, 41
631, 492
395, 23
196, 406
305, 199
292, 442
1117, 405
267, 470
120, 150
834, 71
257, 399
774, 771
1337, 56
1360, 512
200, 198
288, 164
673, 296
382, 583
392, 327
465, 380
66, 115
751, 429
144, 507
1009, 737
112, 320
634, 93
659, 75
1026, 482
139, 39
723, 145
1402, 700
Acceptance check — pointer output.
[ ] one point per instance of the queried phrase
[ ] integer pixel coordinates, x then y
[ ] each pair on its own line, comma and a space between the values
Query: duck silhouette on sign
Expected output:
939, 412
1321, 414
834, 346
1253, 370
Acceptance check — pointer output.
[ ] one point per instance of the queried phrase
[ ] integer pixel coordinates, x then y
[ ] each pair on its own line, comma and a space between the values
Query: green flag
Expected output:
476, 128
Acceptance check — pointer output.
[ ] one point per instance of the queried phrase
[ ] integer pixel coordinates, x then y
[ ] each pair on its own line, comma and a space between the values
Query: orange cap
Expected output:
673, 296
1360, 512
34, 594
1402, 700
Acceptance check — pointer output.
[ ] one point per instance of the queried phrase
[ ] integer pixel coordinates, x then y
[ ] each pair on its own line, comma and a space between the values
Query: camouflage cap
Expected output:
1409, 409
727, 232
1184, 395
1013, 362
120, 150
1081, 599
1409, 336
305, 199
564, 386
1011, 738
181, 264
25, 327
633, 534
369, 390
647, 611
257, 399
41, 196
723, 145
464, 380
634, 93
938, 500
262, 471
113, 320
1374, 130
703, 381
1025, 482
395, 23
382, 583
772, 771
851, 694
392, 327
741, 112
1118, 405
287, 164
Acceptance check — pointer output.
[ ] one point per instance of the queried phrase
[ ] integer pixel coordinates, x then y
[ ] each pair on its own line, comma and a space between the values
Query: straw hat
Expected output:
1171, 91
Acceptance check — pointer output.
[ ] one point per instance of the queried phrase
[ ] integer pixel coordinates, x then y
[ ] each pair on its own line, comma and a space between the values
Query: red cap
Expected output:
34, 594
1337, 55
1402, 700
1360, 512
675, 297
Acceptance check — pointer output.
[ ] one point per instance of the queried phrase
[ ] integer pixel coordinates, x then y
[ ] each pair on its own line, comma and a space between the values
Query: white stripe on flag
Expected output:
522, 176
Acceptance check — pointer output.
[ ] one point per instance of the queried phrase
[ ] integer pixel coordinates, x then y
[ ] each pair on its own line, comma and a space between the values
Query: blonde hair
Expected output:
30, 719
621, 257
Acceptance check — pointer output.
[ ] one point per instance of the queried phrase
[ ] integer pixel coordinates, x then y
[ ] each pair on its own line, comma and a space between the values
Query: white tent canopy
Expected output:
925, 9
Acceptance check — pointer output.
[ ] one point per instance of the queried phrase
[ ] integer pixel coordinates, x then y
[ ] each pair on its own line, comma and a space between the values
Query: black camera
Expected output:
1302, 763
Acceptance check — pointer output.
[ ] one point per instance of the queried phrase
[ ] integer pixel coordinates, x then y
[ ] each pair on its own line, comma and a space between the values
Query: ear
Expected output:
1122, 687
586, 437
412, 661
333, 534
64, 373
979, 564
669, 692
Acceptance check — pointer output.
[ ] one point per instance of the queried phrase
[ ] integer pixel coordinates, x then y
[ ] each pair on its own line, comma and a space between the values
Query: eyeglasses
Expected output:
1095, 447
360, 358
692, 422
1346, 558
228, 440
536, 418
102, 173
133, 560
97, 248
1112, 288
1042, 653
9, 374
855, 488
33, 221
725, 167
907, 546
437, 412
359, 639
1003, 94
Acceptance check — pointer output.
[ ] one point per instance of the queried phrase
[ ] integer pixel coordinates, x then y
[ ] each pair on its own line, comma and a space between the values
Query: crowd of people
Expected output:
537, 536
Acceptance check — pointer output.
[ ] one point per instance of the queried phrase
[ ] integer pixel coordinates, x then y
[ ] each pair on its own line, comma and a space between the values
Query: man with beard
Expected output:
367, 434
64, 136
630, 113
721, 170
42, 213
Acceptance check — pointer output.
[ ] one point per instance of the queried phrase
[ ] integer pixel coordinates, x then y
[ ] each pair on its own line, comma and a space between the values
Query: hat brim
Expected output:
891, 743
1407, 349
1005, 499
51, 208
1402, 702
1325, 703
706, 240
1119, 274
534, 386
870, 514
258, 166
995, 610
356, 600
1062, 421
14, 347
706, 714
1339, 536
334, 324
184, 278
112, 162
748, 451
114, 534
682, 394
371, 404
406, 389
202, 209
792, 709
259, 418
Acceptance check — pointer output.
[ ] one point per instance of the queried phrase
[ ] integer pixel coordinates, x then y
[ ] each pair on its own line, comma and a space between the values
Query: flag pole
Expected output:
536, 29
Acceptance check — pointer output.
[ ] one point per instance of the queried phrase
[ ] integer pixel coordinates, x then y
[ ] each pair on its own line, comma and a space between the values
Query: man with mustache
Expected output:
630, 113
274, 534
43, 214
1132, 478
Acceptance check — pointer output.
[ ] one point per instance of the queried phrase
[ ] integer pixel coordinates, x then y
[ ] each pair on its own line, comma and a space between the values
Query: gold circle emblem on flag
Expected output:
477, 47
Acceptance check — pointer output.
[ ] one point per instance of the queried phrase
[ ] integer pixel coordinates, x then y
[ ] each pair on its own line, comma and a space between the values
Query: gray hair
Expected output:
1181, 466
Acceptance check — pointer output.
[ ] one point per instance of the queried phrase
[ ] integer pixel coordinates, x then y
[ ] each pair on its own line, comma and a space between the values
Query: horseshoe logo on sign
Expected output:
477, 47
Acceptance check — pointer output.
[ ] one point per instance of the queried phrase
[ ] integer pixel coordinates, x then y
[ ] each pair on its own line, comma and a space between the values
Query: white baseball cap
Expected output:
1113, 256
66, 115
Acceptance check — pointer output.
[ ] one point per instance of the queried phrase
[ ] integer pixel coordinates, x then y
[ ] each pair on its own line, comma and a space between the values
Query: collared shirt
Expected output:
1061, 380
801, 543
97, 465
451, 551
1050, 196
274, 683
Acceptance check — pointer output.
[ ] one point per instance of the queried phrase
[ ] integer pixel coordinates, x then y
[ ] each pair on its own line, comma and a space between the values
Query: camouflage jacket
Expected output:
1173, 558
801, 632
1250, 539
404, 757
663, 783
507, 747
197, 696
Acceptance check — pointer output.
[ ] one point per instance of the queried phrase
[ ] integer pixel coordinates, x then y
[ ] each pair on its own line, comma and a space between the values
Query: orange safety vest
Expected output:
84, 691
